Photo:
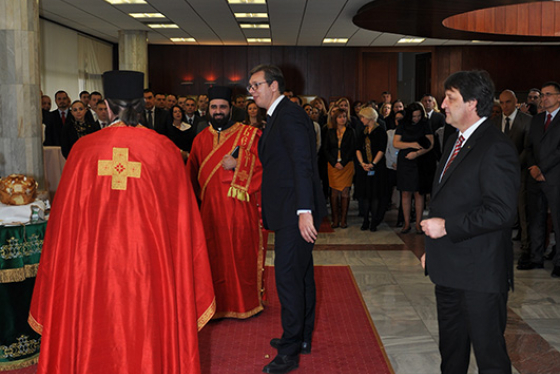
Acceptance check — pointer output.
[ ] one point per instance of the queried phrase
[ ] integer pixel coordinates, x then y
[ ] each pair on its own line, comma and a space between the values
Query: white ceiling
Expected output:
212, 22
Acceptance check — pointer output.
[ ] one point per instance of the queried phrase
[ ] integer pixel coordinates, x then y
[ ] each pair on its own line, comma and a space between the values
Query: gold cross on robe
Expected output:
119, 168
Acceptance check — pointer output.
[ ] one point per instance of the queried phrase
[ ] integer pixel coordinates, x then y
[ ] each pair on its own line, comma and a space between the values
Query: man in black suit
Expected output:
293, 206
515, 124
56, 119
543, 184
436, 119
469, 254
154, 118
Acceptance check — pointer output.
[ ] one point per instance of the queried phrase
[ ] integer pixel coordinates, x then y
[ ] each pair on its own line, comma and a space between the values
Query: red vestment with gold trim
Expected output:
124, 280
229, 208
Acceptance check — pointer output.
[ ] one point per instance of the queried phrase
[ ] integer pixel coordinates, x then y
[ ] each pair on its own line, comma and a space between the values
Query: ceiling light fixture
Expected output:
410, 40
259, 40
254, 25
146, 15
251, 15
124, 2
183, 40
335, 40
247, 1
163, 26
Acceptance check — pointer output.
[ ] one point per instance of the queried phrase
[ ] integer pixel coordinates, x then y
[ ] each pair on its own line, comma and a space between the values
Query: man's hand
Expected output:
536, 173
339, 166
228, 162
423, 261
306, 227
434, 227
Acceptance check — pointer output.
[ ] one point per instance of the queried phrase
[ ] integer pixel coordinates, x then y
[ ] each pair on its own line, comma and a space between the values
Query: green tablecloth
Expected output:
20, 250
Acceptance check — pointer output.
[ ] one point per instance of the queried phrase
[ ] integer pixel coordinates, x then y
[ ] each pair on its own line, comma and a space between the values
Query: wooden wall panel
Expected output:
345, 71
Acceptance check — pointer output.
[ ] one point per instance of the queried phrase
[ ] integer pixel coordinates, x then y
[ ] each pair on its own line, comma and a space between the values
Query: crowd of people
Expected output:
290, 155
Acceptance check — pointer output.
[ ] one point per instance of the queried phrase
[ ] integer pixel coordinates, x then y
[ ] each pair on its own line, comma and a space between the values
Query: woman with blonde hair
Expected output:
370, 186
320, 104
340, 148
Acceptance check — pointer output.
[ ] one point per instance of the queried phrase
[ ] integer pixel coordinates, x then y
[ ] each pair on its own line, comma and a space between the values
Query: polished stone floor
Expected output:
401, 300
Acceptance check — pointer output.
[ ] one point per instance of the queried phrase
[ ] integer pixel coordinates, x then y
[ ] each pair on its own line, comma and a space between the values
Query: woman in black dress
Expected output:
372, 143
416, 164
180, 132
78, 125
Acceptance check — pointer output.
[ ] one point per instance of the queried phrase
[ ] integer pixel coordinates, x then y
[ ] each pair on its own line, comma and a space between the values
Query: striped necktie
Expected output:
458, 145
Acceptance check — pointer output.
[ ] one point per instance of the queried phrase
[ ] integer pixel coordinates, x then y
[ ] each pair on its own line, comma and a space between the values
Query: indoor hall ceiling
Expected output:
212, 22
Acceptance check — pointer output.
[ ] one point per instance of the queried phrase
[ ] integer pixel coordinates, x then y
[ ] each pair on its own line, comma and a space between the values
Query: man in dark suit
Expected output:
543, 185
154, 118
56, 119
515, 124
293, 206
469, 254
436, 119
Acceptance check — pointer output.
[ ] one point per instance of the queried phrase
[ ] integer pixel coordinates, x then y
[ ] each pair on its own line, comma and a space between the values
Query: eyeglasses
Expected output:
255, 86
549, 94
533, 97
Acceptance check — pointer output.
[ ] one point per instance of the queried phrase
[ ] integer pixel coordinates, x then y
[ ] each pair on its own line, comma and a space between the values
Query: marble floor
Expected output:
401, 300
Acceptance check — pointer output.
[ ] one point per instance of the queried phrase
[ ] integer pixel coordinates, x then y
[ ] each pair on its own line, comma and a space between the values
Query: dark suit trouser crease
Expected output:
295, 282
540, 198
477, 318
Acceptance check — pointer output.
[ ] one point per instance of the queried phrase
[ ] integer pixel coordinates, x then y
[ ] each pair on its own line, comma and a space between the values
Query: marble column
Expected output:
133, 52
21, 149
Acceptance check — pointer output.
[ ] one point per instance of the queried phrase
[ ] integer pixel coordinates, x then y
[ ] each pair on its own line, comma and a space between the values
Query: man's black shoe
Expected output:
282, 364
529, 266
305, 346
555, 272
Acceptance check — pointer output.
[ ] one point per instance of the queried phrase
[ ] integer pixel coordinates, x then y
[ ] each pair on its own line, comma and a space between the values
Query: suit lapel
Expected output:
270, 125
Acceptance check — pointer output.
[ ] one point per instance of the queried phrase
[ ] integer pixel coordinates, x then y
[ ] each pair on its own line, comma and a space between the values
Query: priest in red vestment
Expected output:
225, 171
124, 281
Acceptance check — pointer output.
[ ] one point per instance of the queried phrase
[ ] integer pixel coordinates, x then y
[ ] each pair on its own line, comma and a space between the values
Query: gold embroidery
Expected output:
19, 364
23, 347
15, 249
119, 168
36, 326
207, 315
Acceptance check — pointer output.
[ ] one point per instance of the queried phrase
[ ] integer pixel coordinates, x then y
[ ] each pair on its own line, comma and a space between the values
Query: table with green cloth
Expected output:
20, 250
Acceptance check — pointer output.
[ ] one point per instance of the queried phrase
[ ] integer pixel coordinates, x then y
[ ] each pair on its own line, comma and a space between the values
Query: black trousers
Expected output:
541, 197
295, 283
477, 318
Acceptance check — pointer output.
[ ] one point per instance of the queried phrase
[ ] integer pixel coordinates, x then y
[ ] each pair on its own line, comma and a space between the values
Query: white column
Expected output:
21, 148
133, 52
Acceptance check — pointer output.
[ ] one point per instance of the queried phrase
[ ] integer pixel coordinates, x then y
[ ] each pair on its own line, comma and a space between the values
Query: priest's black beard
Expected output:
220, 124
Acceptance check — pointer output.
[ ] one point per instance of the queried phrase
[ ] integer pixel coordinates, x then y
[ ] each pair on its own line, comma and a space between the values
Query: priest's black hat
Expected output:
219, 92
123, 84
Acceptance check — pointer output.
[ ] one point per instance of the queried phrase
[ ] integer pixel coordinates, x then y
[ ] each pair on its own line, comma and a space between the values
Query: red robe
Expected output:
230, 215
124, 281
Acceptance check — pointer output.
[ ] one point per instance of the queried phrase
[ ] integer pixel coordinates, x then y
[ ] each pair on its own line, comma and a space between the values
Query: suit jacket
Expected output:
347, 146
290, 181
543, 147
518, 131
437, 120
477, 197
53, 127
161, 117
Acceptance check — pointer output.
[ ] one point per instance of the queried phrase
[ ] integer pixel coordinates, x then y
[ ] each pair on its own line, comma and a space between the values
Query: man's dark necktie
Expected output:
506, 129
150, 119
548, 120
63, 117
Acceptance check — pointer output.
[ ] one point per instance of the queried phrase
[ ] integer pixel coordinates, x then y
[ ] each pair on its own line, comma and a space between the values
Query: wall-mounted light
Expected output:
186, 83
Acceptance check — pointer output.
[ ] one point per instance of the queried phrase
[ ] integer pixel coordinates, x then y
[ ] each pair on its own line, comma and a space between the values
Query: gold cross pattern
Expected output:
119, 168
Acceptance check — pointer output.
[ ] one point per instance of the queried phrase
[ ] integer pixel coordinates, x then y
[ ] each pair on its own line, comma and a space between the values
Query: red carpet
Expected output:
344, 341
326, 225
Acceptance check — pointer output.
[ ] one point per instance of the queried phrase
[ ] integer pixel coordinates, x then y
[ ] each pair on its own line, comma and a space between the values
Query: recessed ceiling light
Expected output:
411, 40
259, 40
336, 40
146, 15
247, 1
187, 40
163, 26
254, 25
121, 2
251, 15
